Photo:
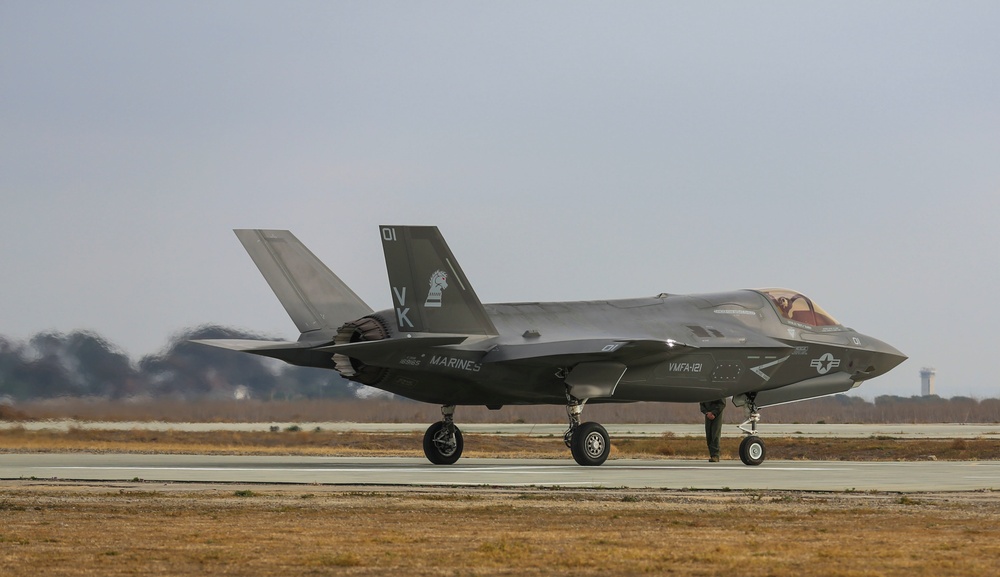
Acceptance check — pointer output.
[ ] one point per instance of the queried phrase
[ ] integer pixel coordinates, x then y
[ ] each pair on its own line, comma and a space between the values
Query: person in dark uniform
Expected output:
713, 426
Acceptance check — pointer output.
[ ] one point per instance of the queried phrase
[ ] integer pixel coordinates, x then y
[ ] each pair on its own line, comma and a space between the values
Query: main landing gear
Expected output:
752, 450
443, 441
589, 442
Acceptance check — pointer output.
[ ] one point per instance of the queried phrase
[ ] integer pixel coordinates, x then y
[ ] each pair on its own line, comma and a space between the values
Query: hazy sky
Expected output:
567, 150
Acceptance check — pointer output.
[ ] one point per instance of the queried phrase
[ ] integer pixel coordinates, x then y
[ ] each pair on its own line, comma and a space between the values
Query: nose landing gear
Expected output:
752, 449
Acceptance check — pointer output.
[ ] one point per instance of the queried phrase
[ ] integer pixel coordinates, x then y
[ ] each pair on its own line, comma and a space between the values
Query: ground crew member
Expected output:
713, 427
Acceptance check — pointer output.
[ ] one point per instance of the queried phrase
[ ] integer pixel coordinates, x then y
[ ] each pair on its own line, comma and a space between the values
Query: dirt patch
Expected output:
126, 529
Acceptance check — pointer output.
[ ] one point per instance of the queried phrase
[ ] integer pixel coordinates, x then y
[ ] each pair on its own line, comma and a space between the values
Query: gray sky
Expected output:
567, 150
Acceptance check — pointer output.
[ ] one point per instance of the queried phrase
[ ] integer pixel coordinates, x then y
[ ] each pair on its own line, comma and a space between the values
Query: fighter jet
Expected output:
439, 344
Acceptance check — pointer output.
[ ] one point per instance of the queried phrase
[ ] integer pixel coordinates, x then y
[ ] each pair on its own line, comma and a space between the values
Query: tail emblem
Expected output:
438, 282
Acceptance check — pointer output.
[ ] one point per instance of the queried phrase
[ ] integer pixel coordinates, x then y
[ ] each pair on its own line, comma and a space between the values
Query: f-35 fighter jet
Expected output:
440, 344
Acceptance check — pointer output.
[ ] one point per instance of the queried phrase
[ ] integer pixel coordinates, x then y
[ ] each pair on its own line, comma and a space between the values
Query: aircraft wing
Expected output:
627, 351
595, 366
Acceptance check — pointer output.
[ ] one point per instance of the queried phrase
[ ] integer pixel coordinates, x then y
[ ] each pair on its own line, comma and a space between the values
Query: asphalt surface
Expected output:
625, 473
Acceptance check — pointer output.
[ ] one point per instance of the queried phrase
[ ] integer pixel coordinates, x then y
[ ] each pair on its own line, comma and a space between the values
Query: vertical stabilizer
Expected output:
312, 295
430, 293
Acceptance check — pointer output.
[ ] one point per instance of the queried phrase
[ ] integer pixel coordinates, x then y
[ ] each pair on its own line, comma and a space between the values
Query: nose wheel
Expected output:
752, 449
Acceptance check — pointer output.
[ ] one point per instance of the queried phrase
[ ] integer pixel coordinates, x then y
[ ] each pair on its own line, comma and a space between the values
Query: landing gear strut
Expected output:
443, 441
752, 450
589, 442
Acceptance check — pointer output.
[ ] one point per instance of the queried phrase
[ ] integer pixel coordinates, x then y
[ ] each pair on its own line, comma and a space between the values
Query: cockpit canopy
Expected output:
798, 308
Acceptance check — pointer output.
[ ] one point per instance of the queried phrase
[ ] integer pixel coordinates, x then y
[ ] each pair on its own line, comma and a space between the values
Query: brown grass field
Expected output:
111, 529
144, 528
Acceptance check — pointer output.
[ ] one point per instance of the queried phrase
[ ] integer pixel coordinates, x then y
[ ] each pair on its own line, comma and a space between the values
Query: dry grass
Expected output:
837, 409
128, 529
822, 449
329, 443
180, 529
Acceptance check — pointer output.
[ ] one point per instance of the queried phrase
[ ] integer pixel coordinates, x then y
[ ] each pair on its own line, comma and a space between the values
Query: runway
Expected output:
412, 472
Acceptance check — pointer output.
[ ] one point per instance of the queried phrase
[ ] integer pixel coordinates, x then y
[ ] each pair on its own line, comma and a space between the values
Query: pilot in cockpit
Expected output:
785, 306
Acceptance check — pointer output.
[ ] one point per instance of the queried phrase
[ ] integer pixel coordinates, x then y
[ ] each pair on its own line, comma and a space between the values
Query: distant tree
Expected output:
53, 364
189, 370
13, 367
989, 410
315, 383
83, 363
103, 369
48, 371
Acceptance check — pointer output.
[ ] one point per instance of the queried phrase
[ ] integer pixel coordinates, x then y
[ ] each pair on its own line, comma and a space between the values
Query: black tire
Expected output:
752, 451
590, 444
441, 448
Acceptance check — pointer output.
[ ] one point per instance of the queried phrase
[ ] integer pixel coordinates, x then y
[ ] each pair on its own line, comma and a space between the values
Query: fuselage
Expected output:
727, 344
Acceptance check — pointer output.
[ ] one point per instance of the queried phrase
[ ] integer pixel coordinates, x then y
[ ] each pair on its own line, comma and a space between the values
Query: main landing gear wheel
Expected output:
752, 450
443, 443
590, 444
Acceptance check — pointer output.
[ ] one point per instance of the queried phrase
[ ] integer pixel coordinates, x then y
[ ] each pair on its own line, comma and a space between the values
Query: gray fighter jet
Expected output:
440, 344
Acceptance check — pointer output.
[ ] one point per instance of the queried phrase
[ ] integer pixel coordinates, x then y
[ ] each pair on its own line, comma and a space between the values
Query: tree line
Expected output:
85, 364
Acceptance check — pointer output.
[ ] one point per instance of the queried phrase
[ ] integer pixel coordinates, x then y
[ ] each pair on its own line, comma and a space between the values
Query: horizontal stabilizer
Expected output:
296, 353
377, 352
247, 345
314, 297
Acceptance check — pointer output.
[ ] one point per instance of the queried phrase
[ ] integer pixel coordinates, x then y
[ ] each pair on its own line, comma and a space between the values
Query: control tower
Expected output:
927, 381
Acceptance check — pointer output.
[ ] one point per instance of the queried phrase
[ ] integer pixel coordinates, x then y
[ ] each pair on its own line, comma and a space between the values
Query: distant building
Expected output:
927, 381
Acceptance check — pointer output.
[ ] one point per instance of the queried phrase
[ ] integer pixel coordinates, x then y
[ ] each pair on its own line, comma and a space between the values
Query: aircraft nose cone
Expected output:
885, 358
892, 357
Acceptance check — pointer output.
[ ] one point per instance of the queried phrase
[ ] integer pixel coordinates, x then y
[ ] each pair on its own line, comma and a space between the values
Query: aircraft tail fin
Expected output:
430, 293
314, 297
